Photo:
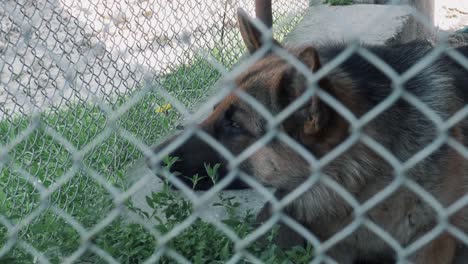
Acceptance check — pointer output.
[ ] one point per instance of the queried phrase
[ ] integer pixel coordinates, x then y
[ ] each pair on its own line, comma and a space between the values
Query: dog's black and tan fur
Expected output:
402, 129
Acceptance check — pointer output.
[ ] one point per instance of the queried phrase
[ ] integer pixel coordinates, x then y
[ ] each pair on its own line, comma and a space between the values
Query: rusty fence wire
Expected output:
86, 87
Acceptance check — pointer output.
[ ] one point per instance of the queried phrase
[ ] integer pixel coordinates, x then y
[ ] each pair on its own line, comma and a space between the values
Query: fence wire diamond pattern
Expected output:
87, 87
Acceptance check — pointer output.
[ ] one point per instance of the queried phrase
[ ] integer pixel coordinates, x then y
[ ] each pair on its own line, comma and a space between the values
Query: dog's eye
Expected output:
234, 124
231, 126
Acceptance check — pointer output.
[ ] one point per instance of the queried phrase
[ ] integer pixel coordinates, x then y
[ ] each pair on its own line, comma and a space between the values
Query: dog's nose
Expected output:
186, 166
154, 163
192, 158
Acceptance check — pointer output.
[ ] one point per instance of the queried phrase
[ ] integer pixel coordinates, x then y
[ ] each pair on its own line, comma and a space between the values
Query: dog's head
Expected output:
236, 124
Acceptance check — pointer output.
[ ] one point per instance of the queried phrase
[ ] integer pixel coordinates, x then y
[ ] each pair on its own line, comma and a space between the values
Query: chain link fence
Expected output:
87, 86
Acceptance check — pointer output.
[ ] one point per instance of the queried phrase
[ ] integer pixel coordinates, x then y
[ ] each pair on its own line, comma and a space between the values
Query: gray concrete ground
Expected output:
371, 24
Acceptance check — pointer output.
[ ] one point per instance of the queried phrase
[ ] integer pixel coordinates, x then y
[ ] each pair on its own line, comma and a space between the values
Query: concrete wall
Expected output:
447, 15
450, 14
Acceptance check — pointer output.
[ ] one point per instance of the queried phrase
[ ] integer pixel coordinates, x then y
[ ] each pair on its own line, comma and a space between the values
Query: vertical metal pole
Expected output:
263, 12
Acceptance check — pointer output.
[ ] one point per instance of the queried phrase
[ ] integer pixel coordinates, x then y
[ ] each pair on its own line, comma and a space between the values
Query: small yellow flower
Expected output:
164, 108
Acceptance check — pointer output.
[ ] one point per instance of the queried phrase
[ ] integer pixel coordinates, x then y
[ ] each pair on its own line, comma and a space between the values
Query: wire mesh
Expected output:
86, 87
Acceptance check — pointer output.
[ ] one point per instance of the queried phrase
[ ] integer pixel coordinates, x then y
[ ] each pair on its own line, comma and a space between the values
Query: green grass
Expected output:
46, 159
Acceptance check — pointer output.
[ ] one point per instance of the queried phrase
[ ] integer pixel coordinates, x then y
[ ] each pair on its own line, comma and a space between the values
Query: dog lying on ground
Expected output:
402, 129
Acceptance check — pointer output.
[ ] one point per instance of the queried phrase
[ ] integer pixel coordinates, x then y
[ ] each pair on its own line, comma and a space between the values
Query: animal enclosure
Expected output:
87, 87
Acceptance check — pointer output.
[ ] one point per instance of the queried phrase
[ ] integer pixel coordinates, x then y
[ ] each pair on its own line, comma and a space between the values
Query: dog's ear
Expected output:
310, 58
251, 35
315, 114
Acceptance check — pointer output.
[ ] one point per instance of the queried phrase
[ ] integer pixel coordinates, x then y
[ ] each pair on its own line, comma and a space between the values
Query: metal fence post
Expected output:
263, 12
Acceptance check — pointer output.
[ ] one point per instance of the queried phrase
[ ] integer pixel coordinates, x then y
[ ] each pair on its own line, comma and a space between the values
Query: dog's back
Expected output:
439, 86
441, 74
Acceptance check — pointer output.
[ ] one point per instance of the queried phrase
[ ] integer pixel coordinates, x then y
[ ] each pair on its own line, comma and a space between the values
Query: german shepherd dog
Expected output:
402, 129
